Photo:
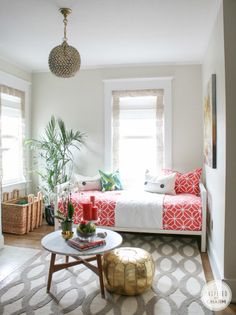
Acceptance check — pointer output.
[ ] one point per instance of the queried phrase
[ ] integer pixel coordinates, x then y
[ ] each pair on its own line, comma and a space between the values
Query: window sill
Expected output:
16, 184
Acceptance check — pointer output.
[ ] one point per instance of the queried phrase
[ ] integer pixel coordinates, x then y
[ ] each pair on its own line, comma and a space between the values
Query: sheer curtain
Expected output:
138, 128
12, 103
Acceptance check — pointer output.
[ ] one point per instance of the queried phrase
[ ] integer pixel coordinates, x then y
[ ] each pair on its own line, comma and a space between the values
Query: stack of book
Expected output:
81, 245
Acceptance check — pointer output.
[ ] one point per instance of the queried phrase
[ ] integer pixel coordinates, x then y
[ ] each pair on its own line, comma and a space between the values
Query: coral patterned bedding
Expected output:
182, 212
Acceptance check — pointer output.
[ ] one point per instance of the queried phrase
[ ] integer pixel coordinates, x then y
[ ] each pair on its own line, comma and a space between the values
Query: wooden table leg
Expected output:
52, 263
100, 274
98, 270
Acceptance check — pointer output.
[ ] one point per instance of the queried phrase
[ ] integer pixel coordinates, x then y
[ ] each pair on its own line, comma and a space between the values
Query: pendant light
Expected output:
64, 60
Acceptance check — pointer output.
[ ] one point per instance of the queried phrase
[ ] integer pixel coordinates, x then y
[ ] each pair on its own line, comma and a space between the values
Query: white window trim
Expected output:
164, 83
25, 86
15, 185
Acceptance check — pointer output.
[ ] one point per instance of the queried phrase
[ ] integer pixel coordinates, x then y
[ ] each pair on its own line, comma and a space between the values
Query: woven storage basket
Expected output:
36, 205
20, 219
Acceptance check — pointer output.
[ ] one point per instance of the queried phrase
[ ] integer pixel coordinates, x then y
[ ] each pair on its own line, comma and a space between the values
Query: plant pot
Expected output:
66, 228
49, 215
86, 233
86, 237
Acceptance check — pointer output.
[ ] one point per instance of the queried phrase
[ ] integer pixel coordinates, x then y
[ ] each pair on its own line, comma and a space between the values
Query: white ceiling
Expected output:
107, 32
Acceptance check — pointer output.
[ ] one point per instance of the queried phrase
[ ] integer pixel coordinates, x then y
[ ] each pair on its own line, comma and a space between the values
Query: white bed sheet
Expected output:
139, 210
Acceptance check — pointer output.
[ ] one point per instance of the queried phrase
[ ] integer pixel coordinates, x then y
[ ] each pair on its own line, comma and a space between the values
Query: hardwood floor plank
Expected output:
31, 240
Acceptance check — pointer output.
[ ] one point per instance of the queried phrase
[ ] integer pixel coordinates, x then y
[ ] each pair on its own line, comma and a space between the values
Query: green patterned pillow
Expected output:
110, 181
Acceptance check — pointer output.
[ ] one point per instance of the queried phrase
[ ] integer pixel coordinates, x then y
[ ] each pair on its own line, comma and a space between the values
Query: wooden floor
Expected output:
33, 240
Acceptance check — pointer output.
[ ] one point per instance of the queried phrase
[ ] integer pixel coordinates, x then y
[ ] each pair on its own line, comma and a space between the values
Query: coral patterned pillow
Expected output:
187, 183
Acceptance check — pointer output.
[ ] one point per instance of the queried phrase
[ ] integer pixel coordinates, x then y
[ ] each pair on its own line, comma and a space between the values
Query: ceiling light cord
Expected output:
65, 12
65, 26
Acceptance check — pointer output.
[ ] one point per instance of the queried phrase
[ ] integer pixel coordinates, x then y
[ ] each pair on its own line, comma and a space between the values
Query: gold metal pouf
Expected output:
128, 271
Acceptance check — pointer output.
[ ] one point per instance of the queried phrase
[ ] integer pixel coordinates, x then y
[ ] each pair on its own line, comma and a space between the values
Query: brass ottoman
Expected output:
128, 270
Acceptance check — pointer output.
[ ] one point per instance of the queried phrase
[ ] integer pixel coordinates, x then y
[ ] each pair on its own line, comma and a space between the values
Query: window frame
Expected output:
164, 83
24, 86
12, 112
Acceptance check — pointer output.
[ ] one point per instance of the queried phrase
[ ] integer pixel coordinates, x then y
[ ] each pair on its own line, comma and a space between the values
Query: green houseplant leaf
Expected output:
53, 156
70, 210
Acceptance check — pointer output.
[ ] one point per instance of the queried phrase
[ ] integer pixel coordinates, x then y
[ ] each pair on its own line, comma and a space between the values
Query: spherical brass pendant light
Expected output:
64, 60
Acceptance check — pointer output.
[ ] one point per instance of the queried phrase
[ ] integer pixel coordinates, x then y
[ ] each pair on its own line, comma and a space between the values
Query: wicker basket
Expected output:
36, 204
20, 219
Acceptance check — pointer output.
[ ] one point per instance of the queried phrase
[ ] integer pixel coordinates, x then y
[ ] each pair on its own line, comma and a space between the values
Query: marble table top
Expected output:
55, 243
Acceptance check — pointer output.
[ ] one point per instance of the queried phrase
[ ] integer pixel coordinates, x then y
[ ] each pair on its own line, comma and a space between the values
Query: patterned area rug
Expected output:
176, 288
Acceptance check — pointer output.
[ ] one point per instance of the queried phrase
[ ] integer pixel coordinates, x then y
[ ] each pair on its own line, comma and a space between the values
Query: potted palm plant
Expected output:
54, 159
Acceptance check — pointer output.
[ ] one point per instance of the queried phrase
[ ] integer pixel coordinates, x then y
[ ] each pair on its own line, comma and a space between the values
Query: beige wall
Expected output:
230, 78
221, 182
14, 70
80, 102
215, 178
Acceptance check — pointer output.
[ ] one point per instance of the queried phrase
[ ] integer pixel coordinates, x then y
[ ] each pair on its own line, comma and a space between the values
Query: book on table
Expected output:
81, 245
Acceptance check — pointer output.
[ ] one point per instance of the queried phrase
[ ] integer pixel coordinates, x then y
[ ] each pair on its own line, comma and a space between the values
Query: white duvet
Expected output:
139, 210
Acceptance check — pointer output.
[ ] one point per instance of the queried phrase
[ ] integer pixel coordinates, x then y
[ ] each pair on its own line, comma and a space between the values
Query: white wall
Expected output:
215, 178
230, 79
14, 70
80, 102
221, 182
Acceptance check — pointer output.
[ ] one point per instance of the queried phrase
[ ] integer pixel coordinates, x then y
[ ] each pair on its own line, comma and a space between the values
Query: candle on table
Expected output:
92, 199
94, 213
87, 211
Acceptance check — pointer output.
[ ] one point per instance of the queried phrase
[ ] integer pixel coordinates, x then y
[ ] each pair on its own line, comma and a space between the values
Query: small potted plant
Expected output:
86, 229
65, 218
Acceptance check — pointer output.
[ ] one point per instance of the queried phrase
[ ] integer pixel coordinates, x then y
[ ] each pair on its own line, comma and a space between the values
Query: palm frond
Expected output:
54, 152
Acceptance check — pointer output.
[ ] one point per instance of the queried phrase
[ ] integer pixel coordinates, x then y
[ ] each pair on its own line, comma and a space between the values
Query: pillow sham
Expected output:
110, 181
186, 183
87, 183
163, 184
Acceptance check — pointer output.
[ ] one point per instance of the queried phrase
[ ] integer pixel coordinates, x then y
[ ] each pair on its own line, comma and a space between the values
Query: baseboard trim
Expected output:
213, 260
216, 271
1, 241
232, 285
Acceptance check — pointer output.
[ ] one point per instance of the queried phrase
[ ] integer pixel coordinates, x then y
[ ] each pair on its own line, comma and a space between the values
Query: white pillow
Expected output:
87, 183
163, 184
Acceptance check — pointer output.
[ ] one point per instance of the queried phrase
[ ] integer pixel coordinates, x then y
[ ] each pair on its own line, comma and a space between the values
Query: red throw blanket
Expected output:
180, 212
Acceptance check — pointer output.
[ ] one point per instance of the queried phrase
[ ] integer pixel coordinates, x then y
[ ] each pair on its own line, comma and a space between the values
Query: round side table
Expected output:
55, 244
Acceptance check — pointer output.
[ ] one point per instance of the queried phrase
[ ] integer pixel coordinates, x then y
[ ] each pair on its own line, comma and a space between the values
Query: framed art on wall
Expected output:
210, 123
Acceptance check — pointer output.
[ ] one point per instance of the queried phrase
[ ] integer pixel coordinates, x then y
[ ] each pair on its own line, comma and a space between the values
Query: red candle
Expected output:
92, 199
87, 211
94, 213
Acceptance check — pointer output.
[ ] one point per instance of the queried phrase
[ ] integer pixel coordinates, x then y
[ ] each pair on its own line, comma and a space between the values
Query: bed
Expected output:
182, 213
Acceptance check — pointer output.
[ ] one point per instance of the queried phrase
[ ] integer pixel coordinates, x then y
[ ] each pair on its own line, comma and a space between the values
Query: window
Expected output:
12, 135
130, 133
138, 137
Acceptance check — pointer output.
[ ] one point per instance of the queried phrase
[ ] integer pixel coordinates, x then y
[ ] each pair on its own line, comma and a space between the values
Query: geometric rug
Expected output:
176, 289
16, 258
